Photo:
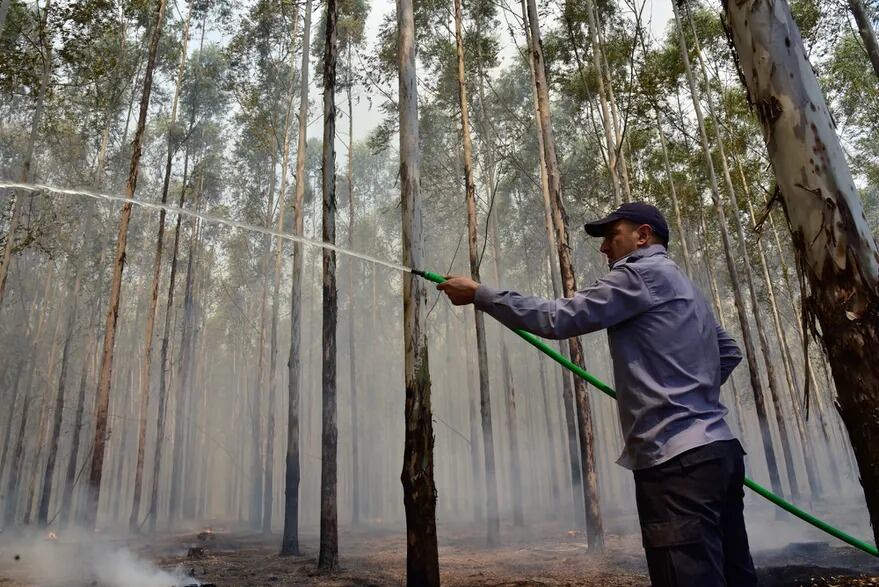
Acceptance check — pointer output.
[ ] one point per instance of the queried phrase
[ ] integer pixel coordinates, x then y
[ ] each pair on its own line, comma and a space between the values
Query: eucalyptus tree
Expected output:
268, 484
290, 539
836, 249
417, 476
328, 556
105, 373
594, 525
492, 517
154, 288
741, 308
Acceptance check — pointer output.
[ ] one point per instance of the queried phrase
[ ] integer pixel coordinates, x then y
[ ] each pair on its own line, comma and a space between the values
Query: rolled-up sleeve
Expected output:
619, 296
730, 354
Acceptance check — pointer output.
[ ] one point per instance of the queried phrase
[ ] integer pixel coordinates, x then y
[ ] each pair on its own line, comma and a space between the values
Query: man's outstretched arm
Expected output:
618, 296
730, 354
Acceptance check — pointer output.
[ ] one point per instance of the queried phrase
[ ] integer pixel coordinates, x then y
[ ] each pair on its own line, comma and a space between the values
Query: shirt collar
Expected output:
648, 251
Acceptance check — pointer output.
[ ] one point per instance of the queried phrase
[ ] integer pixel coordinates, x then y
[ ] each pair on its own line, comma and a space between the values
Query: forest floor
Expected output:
535, 556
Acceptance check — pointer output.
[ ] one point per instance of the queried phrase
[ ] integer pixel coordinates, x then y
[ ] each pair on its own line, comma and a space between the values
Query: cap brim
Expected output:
598, 227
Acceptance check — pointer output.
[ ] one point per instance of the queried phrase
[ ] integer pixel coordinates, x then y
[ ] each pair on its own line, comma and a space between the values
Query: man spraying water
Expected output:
670, 358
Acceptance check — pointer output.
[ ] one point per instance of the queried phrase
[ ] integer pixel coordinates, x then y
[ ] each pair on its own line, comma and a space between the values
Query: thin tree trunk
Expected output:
766, 350
14, 479
76, 432
805, 441
154, 290
105, 374
506, 365
865, 29
328, 557
352, 363
682, 235
594, 526
43, 421
567, 388
27, 161
268, 484
417, 477
747, 336
49, 475
290, 540
492, 518
836, 250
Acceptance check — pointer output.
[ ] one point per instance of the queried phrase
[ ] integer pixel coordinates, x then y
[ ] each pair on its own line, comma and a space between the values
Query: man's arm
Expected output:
730, 354
618, 296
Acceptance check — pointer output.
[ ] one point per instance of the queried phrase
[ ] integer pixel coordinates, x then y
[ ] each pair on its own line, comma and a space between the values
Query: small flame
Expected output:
208, 531
51, 536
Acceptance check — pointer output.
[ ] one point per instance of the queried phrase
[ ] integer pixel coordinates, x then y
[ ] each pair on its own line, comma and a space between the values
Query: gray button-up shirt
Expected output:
670, 356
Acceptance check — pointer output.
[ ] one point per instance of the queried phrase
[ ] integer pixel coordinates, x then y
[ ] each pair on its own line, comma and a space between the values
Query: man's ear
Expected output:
645, 232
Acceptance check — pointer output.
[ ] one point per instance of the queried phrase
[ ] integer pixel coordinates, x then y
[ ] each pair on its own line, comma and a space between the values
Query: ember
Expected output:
51, 536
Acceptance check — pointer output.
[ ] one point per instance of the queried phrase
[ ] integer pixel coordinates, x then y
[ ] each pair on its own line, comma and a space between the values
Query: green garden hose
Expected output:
601, 386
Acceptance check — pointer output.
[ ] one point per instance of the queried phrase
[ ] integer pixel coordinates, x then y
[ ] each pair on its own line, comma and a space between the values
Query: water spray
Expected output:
437, 278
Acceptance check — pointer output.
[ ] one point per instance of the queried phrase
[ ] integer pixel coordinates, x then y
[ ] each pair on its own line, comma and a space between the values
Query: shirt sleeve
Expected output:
730, 354
620, 295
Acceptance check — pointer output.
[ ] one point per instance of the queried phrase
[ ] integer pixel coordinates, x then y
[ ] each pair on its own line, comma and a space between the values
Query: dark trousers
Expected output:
692, 523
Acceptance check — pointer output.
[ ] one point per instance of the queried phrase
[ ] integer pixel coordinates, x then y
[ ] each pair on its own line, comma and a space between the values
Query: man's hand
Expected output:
461, 290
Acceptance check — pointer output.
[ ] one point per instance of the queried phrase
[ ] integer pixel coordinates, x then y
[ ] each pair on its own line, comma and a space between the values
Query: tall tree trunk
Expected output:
492, 518
488, 132
865, 29
602, 97
594, 526
567, 387
835, 247
52, 455
682, 235
747, 336
766, 350
352, 363
805, 441
105, 374
290, 540
417, 477
268, 485
27, 161
154, 289
328, 557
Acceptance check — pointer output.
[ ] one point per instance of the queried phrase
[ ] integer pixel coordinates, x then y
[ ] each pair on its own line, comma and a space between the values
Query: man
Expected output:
670, 358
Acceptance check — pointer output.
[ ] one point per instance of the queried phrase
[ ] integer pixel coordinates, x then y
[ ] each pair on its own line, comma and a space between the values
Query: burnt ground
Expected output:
536, 556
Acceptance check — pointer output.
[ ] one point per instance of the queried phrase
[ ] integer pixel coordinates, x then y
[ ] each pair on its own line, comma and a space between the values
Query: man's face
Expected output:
623, 237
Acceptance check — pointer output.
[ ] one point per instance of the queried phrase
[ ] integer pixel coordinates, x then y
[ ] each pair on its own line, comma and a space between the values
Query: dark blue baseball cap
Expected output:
637, 212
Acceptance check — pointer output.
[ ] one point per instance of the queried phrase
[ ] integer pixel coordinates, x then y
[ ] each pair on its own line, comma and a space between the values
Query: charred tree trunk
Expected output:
328, 557
594, 524
419, 490
268, 485
290, 541
492, 518
835, 248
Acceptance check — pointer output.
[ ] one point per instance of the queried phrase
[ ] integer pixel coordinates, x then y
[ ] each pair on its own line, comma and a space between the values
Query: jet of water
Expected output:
38, 187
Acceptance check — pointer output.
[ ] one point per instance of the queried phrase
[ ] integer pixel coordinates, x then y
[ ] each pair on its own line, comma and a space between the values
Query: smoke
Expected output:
78, 559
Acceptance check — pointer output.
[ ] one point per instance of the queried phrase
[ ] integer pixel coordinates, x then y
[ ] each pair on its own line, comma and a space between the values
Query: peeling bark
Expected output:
835, 248
417, 476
